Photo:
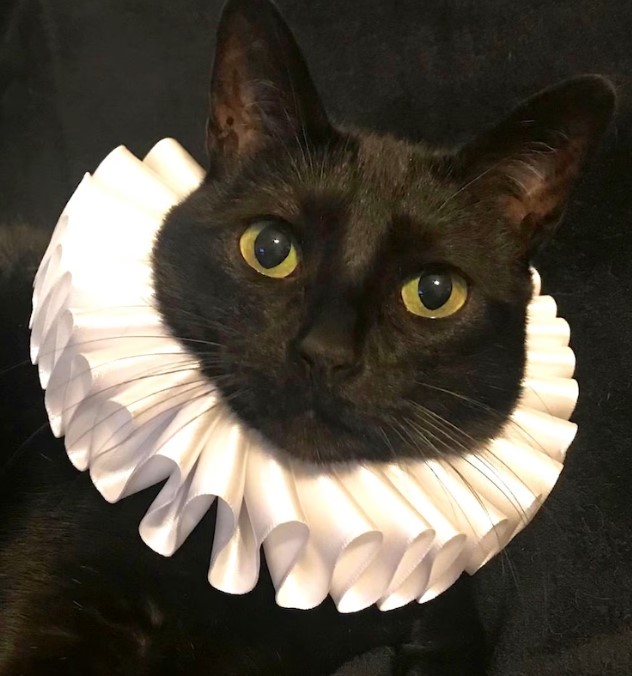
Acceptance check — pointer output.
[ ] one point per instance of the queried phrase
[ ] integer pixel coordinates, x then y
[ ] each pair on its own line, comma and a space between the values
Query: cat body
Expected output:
288, 274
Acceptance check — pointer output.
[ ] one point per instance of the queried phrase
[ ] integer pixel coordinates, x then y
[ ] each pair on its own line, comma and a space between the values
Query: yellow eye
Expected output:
435, 294
268, 248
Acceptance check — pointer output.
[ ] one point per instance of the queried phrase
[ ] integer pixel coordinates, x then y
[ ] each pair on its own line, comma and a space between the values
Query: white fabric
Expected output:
135, 410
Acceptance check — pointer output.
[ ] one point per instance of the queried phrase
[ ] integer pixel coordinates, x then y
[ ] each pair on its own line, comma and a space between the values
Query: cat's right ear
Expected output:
261, 90
530, 161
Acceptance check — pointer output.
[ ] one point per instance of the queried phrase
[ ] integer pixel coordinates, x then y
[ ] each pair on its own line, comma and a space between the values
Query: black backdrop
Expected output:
79, 77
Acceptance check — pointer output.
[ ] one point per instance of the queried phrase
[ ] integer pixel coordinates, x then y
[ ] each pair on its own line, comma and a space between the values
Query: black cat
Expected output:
366, 298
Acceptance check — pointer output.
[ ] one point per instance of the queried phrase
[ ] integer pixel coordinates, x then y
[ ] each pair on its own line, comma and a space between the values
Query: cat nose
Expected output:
329, 345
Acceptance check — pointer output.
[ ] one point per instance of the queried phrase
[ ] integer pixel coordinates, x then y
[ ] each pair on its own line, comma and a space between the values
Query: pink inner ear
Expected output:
529, 162
236, 129
541, 181
260, 87
235, 108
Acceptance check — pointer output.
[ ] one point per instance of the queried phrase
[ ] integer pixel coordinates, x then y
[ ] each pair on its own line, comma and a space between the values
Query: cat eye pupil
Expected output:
270, 249
272, 246
435, 290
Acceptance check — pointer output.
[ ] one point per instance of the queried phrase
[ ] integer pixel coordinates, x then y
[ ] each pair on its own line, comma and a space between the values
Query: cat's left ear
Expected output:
530, 161
261, 90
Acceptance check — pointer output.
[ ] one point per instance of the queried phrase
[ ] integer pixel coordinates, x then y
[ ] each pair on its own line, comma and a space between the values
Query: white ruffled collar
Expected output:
374, 533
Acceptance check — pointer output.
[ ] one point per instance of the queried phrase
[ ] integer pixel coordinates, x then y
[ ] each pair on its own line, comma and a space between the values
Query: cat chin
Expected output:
308, 438
315, 436
311, 435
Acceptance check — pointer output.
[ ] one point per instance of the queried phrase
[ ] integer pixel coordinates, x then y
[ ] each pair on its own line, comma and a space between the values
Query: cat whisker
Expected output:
205, 322
505, 422
174, 392
140, 378
387, 441
447, 434
42, 428
9, 369
427, 435
498, 483
172, 410
455, 194
446, 457
456, 395
441, 421
4, 470
480, 502
107, 339
152, 371
409, 426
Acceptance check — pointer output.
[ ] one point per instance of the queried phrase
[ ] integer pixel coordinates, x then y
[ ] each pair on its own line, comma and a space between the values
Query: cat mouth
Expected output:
314, 428
317, 437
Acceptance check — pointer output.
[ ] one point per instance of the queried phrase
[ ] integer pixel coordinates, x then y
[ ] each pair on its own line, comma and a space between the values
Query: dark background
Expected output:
80, 77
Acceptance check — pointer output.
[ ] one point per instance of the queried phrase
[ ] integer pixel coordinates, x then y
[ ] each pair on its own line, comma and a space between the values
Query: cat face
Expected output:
355, 296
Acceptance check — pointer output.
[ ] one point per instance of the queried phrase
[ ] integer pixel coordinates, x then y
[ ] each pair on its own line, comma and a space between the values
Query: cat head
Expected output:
355, 296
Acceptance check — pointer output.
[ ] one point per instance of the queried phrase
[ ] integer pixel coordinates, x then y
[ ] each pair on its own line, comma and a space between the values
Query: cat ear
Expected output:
531, 159
260, 89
